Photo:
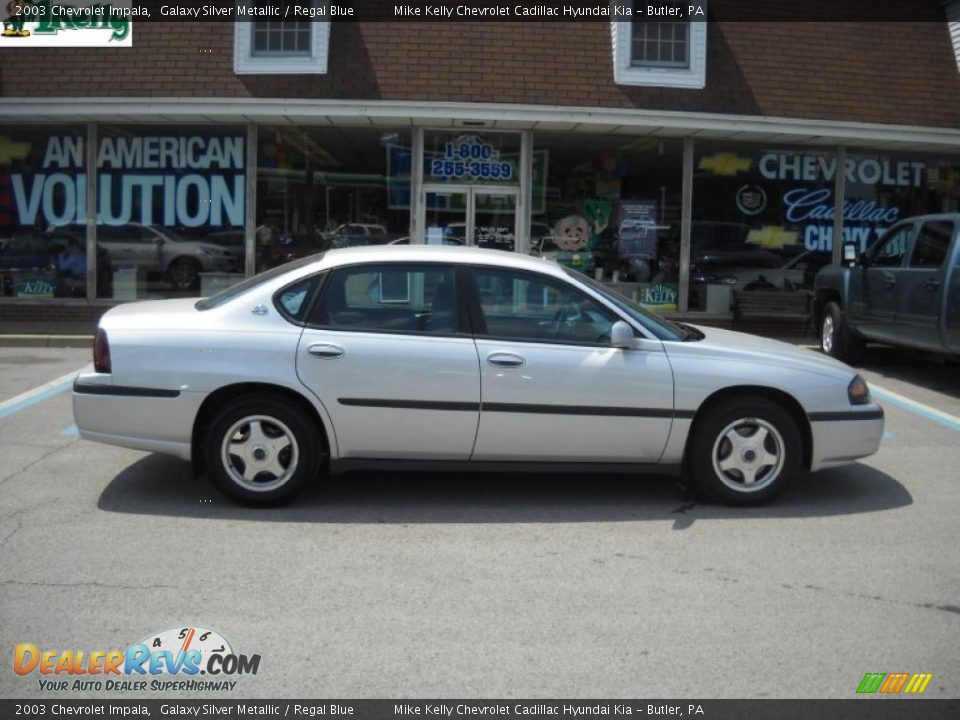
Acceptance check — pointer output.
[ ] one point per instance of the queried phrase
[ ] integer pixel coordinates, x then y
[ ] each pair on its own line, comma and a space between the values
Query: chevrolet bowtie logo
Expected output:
725, 163
771, 237
11, 150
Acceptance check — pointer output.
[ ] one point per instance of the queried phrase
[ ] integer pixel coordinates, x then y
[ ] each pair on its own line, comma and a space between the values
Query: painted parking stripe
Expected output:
918, 408
38, 394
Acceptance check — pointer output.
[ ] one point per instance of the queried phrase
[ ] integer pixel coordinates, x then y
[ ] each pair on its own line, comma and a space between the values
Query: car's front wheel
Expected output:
745, 451
262, 450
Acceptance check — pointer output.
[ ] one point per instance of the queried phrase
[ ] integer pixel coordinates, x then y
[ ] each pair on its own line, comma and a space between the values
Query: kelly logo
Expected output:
80, 23
894, 683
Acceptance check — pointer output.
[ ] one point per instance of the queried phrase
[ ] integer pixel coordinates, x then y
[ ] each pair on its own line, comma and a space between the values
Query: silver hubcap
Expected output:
826, 335
259, 453
748, 455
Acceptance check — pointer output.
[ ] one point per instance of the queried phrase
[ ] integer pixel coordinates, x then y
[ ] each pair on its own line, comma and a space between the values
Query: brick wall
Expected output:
898, 73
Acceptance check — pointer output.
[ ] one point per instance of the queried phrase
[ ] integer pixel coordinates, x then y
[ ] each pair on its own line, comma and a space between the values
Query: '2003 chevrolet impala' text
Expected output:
445, 357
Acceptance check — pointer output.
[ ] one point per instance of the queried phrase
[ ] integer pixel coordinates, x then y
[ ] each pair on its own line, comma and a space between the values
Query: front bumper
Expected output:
842, 437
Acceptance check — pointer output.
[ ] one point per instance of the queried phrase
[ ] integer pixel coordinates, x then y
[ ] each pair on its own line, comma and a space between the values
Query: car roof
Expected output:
437, 253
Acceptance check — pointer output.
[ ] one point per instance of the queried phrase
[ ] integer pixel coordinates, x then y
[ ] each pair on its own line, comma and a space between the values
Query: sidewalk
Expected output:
47, 334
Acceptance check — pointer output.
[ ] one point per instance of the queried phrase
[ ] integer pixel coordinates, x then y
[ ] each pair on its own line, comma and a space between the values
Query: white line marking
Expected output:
919, 408
41, 392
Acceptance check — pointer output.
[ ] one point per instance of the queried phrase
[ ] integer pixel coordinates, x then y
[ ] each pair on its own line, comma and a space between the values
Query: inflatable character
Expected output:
572, 237
13, 26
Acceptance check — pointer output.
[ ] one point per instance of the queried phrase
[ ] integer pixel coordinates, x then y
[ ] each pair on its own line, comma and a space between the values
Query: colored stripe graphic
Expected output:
918, 683
893, 683
871, 682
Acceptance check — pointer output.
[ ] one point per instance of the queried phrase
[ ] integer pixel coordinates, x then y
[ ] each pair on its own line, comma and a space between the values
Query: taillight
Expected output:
101, 352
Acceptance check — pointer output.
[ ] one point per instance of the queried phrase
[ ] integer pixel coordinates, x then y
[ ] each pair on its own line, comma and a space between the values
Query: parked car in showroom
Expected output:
904, 290
163, 251
445, 357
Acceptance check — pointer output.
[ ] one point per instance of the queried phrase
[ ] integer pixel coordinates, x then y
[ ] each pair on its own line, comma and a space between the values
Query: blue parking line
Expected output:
70, 431
948, 421
31, 400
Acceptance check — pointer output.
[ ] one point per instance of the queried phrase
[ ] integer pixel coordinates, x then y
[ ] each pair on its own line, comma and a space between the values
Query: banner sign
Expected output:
67, 23
176, 180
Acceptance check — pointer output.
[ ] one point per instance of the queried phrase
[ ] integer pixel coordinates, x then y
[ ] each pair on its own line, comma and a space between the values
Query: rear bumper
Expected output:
150, 419
840, 438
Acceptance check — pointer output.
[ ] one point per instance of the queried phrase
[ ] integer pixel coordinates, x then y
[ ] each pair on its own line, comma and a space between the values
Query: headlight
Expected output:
858, 392
213, 251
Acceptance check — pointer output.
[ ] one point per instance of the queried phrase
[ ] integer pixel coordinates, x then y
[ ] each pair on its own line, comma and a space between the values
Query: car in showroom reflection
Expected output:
165, 252
459, 358
796, 273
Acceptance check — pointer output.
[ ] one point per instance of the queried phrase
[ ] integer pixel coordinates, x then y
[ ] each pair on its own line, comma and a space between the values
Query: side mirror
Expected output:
621, 335
850, 253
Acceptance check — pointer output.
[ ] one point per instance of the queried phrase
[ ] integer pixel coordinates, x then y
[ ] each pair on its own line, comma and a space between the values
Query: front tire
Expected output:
745, 451
836, 338
262, 450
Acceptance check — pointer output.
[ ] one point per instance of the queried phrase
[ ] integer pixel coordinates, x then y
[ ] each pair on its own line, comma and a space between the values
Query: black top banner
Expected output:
232, 709
89, 11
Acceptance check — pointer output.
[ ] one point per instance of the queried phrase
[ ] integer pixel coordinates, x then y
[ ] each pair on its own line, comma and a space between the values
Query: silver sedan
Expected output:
442, 357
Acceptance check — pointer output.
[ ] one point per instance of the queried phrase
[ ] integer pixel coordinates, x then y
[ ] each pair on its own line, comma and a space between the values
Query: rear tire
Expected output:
745, 451
262, 450
836, 338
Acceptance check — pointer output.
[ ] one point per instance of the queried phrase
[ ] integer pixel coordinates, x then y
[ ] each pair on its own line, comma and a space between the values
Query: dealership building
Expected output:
685, 162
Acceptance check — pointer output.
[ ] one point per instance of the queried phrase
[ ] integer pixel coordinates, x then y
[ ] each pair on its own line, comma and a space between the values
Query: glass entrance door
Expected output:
465, 215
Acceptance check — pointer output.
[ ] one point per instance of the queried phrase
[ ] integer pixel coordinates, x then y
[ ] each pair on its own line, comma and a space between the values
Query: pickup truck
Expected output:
904, 290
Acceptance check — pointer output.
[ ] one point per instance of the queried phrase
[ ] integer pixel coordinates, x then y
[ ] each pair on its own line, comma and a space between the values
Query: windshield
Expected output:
234, 291
661, 328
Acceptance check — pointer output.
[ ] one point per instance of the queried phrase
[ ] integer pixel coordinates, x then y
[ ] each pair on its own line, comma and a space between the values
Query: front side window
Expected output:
390, 299
933, 242
533, 308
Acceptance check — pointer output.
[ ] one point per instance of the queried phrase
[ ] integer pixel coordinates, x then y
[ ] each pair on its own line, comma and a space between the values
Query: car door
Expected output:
874, 291
921, 290
552, 388
388, 352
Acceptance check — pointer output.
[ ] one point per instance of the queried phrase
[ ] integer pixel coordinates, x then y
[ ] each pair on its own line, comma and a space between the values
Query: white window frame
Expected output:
694, 76
245, 62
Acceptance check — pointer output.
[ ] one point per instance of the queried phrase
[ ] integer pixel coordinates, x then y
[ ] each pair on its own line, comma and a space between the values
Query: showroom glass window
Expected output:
609, 206
762, 220
329, 187
172, 208
43, 190
883, 188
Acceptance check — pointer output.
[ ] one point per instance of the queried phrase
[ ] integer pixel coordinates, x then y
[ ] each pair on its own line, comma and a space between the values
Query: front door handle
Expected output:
889, 281
326, 351
502, 359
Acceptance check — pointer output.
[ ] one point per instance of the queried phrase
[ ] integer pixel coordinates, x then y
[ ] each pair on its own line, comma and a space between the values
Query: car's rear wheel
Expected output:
836, 338
745, 451
262, 450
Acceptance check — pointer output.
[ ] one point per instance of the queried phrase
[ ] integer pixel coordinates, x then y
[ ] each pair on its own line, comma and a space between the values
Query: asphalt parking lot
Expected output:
405, 585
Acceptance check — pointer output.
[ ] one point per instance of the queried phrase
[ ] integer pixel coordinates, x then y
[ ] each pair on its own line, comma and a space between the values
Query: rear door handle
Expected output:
889, 281
325, 351
503, 359
932, 284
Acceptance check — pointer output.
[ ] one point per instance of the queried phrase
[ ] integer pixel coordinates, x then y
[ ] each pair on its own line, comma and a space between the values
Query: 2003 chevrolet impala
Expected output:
456, 357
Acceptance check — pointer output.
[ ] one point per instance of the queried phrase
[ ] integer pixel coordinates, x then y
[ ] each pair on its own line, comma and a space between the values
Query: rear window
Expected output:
244, 286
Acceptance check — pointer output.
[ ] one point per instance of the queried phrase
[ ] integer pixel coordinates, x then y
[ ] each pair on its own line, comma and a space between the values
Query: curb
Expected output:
49, 341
